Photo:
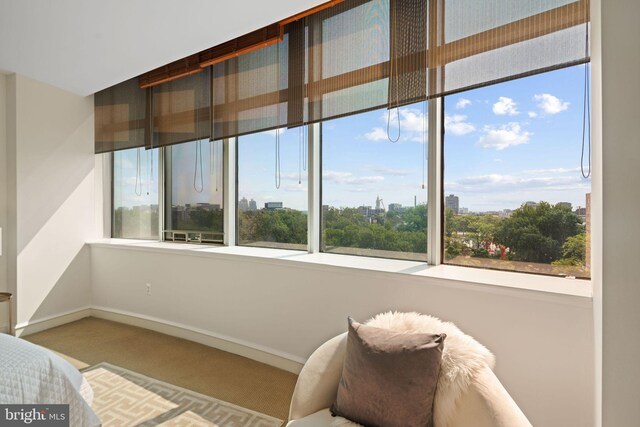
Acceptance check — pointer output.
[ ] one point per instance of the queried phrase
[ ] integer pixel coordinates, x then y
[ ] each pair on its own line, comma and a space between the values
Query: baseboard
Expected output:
37, 325
246, 349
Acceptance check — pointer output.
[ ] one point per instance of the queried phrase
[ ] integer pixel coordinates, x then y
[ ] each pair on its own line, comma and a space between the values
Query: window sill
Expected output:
491, 279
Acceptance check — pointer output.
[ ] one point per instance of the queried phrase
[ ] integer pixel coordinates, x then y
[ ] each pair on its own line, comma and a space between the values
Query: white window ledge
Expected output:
505, 280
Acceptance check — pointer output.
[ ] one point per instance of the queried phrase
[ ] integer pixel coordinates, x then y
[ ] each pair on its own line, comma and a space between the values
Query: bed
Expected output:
30, 374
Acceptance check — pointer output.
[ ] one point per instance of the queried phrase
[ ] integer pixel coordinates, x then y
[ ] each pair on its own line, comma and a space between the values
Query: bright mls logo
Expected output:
34, 415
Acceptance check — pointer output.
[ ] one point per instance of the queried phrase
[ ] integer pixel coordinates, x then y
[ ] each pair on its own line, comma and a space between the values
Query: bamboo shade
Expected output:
249, 91
182, 110
121, 117
354, 56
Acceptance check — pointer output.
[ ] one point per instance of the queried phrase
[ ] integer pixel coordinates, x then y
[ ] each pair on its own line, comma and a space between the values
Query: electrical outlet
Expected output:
148, 289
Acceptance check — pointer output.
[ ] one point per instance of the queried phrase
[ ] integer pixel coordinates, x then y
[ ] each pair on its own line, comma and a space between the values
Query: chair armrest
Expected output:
317, 384
487, 404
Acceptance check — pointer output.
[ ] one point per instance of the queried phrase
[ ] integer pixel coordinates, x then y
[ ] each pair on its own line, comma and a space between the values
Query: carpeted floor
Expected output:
203, 369
126, 398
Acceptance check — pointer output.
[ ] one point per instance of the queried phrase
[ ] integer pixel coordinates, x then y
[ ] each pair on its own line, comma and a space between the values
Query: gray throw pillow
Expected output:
389, 378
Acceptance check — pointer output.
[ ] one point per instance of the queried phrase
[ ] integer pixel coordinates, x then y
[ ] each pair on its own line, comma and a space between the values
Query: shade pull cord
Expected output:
213, 163
393, 76
586, 113
195, 171
424, 143
277, 153
277, 168
150, 170
138, 187
305, 126
220, 165
305, 146
300, 153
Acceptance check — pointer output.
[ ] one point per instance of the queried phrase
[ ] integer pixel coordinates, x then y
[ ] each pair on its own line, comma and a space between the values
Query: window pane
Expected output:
515, 197
135, 194
373, 199
194, 192
269, 216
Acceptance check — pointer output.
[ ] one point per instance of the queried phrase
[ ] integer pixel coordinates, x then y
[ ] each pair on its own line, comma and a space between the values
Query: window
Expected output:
135, 194
194, 192
515, 197
272, 189
373, 199
506, 188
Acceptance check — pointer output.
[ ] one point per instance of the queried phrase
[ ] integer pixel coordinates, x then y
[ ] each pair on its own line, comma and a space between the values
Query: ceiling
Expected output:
84, 46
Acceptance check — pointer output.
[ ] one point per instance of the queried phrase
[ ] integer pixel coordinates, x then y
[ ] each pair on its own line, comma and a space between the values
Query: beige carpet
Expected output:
194, 366
126, 398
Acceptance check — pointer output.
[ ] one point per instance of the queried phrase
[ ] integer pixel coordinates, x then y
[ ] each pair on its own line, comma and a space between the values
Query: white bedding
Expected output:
31, 374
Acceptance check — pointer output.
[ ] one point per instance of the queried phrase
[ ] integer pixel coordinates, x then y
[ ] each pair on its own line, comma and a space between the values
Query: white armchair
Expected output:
485, 403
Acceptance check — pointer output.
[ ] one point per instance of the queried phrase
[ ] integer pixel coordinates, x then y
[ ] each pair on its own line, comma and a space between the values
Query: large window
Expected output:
373, 194
515, 196
194, 192
272, 189
507, 184
135, 194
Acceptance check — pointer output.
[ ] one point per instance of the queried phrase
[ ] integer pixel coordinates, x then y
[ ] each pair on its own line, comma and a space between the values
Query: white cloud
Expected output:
505, 106
550, 104
553, 171
503, 137
382, 170
498, 182
411, 125
462, 103
349, 178
457, 125
532, 114
273, 132
411, 119
295, 188
376, 134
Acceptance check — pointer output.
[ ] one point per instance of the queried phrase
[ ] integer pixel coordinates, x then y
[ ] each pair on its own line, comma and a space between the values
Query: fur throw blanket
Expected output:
462, 358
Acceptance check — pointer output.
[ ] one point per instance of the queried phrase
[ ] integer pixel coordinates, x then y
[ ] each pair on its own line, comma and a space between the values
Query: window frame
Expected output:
435, 195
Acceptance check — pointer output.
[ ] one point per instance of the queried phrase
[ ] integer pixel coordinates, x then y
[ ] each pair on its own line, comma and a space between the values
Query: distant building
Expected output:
395, 207
271, 206
452, 202
253, 205
463, 211
243, 204
532, 204
565, 205
365, 211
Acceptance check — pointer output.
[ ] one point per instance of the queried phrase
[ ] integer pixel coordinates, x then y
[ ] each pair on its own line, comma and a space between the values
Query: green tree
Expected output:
538, 233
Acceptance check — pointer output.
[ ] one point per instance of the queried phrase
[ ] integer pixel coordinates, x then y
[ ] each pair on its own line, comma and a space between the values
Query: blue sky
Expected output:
504, 145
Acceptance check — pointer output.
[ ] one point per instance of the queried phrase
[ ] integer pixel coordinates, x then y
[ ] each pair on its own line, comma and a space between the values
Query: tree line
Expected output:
545, 233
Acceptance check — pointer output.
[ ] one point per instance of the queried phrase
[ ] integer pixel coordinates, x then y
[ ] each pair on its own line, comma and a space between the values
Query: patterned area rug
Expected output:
126, 398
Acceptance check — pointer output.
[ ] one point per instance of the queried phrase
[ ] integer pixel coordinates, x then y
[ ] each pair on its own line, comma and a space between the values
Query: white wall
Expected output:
3, 181
543, 342
621, 204
51, 197
3, 196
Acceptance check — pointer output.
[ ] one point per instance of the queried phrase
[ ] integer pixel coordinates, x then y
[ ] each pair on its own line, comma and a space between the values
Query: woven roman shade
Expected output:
348, 50
182, 110
475, 43
121, 117
249, 91
351, 57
